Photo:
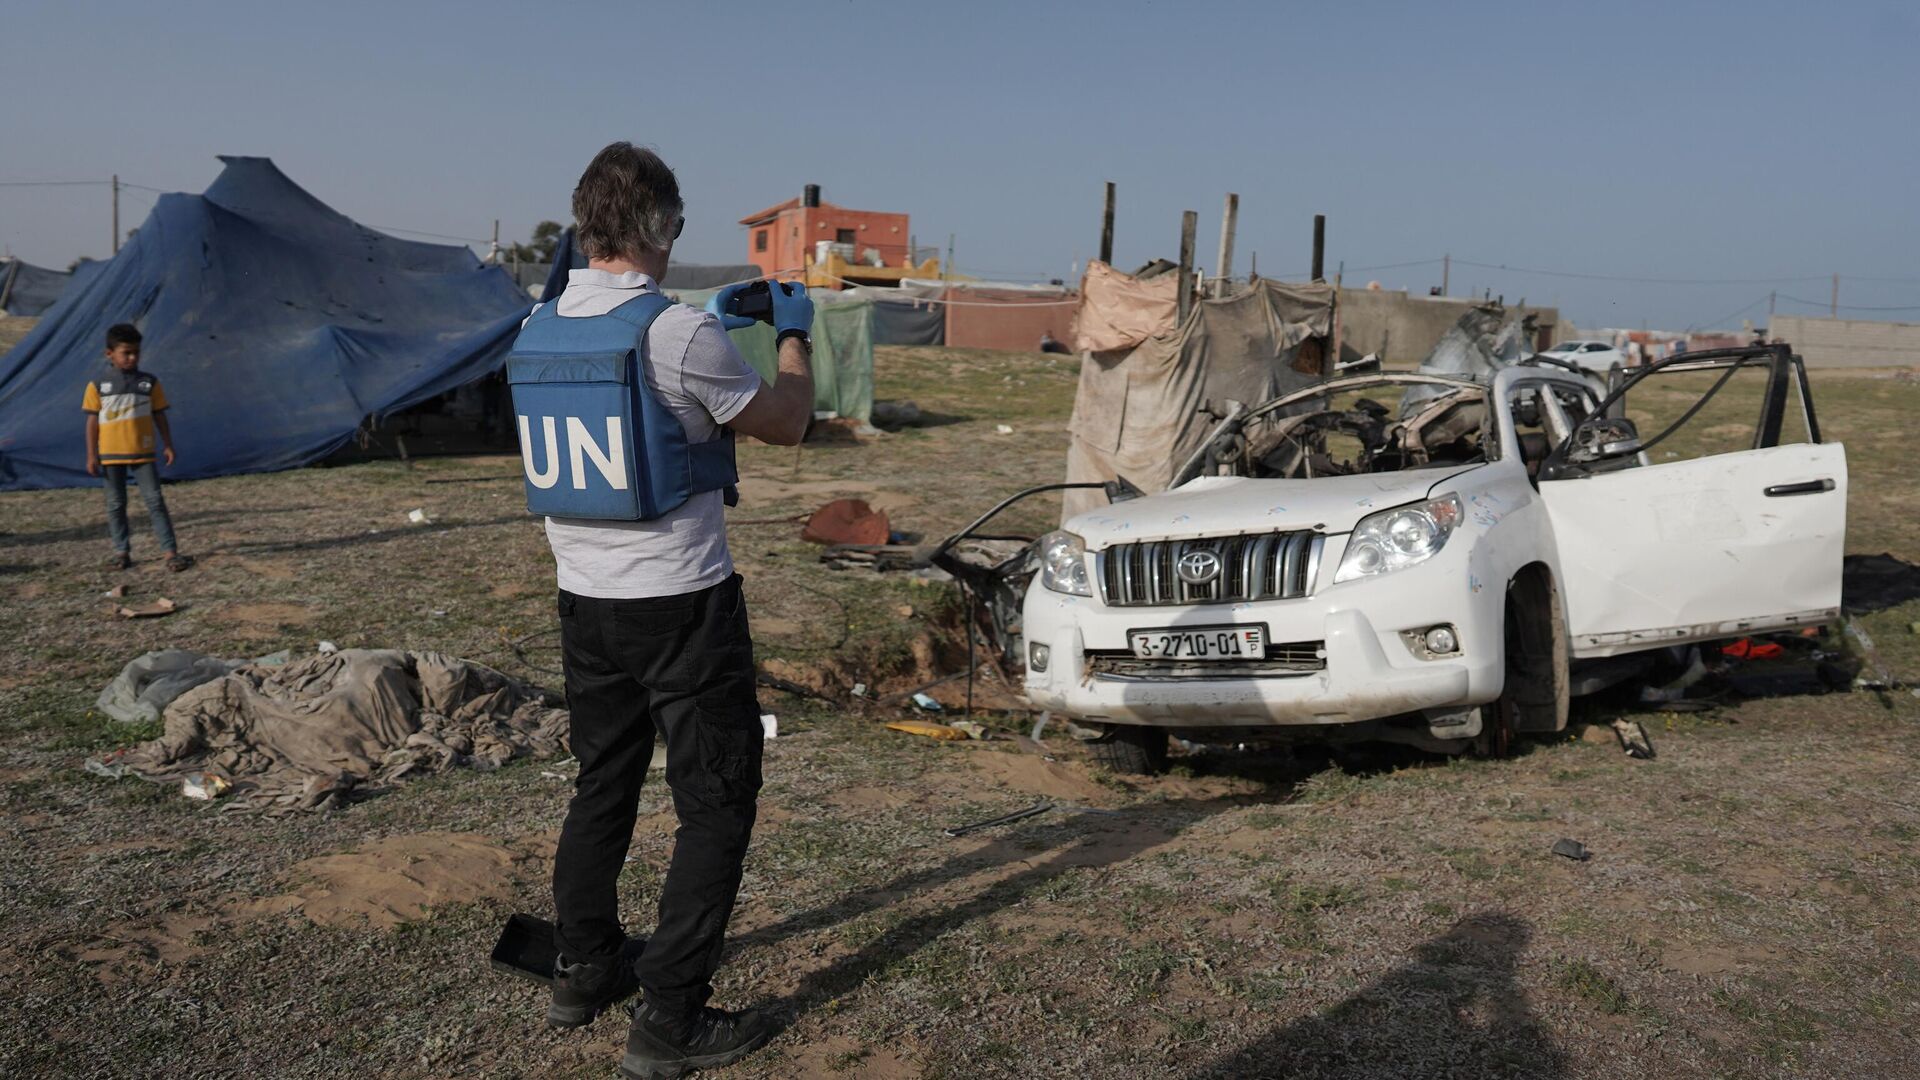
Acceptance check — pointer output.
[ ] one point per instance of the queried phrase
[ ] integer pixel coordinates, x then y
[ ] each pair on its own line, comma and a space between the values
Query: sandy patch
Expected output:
762, 491
841, 1056
507, 590
1712, 960
869, 798
167, 939
269, 569
401, 878
263, 615
1037, 775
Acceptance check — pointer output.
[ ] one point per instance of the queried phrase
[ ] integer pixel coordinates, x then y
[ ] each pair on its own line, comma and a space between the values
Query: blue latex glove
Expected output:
718, 303
791, 311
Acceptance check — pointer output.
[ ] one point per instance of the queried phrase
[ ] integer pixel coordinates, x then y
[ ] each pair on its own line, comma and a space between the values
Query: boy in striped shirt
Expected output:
125, 408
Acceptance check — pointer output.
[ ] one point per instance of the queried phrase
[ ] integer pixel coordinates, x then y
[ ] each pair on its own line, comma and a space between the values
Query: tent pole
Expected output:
1319, 247
1228, 219
1188, 222
1106, 229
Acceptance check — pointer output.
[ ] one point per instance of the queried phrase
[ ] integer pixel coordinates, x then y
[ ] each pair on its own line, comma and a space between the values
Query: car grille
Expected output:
1258, 566
1283, 658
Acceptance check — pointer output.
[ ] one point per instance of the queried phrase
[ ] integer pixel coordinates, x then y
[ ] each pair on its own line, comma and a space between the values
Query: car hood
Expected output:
1230, 505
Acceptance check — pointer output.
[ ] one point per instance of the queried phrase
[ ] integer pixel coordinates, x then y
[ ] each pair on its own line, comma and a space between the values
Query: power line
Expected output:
1847, 307
1731, 317
1634, 280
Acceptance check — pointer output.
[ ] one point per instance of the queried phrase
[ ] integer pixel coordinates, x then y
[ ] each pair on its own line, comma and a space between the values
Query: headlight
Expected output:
1063, 564
1398, 538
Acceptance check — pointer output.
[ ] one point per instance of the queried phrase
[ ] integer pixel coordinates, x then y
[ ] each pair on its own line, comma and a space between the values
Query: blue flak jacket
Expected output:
594, 440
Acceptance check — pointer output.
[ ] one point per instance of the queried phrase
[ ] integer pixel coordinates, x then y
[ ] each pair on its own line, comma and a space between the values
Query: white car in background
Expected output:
1436, 560
1598, 356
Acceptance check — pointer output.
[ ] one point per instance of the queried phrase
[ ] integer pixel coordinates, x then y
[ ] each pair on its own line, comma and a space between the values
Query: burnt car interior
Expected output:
1608, 440
1363, 424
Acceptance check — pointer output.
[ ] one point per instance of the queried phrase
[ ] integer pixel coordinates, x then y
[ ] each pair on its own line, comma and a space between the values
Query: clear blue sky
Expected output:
1665, 140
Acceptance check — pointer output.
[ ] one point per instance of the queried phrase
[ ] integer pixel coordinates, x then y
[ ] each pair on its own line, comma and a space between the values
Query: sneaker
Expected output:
584, 991
177, 563
663, 1045
121, 561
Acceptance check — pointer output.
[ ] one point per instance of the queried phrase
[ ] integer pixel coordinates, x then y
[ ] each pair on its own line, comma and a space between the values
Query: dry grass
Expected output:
1750, 909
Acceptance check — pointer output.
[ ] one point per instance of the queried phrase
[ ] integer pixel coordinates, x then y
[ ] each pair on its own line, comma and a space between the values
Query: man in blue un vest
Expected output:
653, 627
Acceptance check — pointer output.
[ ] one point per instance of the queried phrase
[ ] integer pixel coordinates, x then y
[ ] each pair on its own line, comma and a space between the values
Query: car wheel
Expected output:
1537, 686
1130, 750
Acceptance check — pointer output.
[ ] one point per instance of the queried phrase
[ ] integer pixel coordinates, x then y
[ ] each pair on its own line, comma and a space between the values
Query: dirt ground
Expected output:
1751, 907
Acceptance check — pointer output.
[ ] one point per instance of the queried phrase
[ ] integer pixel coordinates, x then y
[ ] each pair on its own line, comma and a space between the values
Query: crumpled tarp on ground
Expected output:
144, 688
304, 735
1137, 413
1877, 582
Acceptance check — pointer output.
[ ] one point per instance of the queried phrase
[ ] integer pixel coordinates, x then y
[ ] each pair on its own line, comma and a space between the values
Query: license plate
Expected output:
1200, 643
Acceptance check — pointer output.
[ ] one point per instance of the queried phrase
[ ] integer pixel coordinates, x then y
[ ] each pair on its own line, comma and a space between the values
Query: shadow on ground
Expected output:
1451, 1009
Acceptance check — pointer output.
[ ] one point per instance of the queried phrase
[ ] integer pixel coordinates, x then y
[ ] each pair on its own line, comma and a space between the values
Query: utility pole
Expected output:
1189, 221
116, 213
1446, 271
1835, 309
1319, 247
1106, 229
946, 270
1770, 299
1228, 219
493, 255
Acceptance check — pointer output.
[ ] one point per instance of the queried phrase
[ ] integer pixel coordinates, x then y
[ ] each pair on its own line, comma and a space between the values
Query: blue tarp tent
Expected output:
276, 325
26, 289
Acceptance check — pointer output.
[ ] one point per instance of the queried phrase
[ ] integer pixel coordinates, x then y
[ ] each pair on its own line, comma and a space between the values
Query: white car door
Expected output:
1714, 547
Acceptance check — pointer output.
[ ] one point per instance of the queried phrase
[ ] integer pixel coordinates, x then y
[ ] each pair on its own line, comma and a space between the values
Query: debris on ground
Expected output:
924, 701
204, 786
311, 733
1035, 810
973, 729
116, 593
1877, 582
945, 732
878, 557
1572, 849
149, 610
847, 521
150, 682
417, 516
1003, 429
891, 415
1633, 739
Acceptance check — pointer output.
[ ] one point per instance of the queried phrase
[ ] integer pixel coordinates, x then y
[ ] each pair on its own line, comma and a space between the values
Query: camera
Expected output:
756, 300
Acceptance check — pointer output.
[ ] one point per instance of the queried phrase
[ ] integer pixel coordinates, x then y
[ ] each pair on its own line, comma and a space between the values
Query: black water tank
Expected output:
812, 196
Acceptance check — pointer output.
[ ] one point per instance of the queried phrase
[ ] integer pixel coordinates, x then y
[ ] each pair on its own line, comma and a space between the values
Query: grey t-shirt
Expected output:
693, 368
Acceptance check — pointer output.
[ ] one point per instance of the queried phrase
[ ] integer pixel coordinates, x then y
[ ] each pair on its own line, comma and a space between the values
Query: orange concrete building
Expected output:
832, 246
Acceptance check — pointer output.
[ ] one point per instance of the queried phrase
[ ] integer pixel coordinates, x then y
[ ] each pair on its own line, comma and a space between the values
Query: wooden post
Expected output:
1446, 271
1189, 221
1106, 229
116, 213
1228, 219
1319, 246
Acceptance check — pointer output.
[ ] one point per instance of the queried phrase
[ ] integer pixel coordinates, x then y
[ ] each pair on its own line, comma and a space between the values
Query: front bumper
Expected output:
1370, 673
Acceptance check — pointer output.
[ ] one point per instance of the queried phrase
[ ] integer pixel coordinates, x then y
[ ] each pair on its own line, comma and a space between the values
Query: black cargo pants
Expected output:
681, 666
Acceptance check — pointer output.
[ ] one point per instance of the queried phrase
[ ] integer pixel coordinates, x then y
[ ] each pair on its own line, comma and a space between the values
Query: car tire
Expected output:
1537, 688
1129, 750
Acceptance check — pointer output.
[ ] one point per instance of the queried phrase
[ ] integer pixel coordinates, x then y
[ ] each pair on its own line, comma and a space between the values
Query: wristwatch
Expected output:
805, 338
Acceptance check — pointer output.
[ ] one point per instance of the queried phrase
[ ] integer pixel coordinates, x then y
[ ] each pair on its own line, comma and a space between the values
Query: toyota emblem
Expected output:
1198, 567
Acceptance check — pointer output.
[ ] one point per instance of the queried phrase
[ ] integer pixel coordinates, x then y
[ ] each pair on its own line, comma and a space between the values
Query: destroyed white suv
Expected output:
1439, 561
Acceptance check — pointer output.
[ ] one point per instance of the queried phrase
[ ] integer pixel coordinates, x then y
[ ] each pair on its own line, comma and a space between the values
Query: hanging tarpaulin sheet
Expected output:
1138, 410
276, 325
989, 316
29, 290
902, 317
842, 350
1119, 311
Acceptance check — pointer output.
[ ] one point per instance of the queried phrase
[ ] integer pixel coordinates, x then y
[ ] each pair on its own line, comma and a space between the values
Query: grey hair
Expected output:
627, 203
